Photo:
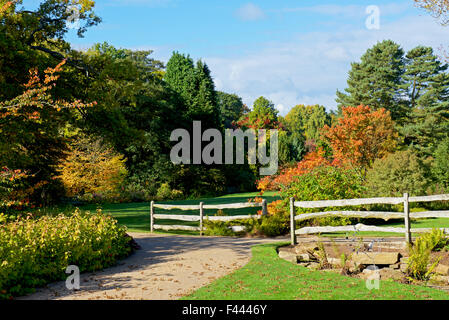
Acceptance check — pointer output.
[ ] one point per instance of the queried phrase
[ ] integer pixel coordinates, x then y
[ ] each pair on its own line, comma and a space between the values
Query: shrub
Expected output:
166, 193
396, 174
217, 228
273, 226
36, 252
419, 254
92, 169
324, 183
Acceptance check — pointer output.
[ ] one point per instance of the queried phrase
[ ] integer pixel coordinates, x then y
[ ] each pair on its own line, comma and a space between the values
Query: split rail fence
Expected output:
200, 217
406, 215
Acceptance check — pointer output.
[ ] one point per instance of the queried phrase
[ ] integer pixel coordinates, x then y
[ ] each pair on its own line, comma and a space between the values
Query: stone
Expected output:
442, 269
314, 266
377, 258
404, 260
440, 279
289, 256
403, 267
388, 273
334, 261
306, 248
395, 266
304, 257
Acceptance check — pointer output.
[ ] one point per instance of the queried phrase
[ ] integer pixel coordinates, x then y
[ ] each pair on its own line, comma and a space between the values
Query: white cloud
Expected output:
250, 12
310, 68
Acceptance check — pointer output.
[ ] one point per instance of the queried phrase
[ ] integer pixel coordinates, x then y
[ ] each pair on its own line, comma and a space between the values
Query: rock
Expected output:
289, 256
314, 266
334, 262
440, 279
403, 267
388, 273
377, 258
304, 257
442, 269
355, 267
306, 248
395, 266
404, 260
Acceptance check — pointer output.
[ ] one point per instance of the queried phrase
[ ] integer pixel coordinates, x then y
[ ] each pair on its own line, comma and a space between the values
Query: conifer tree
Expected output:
376, 80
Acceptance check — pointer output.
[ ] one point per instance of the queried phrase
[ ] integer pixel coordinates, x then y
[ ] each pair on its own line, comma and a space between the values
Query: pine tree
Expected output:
376, 81
421, 67
429, 121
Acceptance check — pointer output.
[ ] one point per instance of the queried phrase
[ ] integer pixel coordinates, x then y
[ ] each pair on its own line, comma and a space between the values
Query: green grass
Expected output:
419, 223
267, 277
136, 216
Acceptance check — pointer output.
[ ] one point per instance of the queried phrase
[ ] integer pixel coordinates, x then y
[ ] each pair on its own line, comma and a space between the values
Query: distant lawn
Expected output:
267, 277
136, 216
419, 223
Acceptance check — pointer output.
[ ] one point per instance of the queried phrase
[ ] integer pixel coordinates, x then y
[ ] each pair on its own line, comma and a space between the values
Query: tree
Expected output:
30, 39
422, 66
438, 8
91, 167
196, 88
395, 174
32, 127
263, 116
231, 108
136, 111
428, 122
307, 120
361, 135
440, 166
376, 80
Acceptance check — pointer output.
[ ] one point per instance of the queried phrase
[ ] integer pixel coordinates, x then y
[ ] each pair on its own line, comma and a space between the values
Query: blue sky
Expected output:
290, 51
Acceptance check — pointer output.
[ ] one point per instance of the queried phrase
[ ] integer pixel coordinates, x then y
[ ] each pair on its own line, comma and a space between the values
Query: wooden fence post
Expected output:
264, 207
152, 216
408, 237
201, 218
292, 221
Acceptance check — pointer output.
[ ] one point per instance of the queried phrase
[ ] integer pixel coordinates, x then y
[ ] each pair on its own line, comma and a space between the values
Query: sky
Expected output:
290, 51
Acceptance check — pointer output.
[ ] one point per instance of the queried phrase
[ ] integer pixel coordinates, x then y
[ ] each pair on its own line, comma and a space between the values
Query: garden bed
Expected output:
383, 259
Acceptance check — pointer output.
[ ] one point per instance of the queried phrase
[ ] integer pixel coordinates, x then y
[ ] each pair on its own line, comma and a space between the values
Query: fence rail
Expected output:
201, 207
406, 215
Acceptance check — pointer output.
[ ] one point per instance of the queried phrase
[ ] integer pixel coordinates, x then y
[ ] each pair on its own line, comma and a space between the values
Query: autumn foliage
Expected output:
361, 135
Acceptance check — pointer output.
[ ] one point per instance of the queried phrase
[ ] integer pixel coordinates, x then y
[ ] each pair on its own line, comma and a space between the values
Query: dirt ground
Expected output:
166, 267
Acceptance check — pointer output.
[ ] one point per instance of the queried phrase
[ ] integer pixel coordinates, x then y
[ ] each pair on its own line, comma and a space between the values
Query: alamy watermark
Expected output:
373, 20
73, 21
190, 151
73, 280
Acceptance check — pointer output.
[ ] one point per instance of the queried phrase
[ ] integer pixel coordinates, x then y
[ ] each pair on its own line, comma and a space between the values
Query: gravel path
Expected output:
167, 267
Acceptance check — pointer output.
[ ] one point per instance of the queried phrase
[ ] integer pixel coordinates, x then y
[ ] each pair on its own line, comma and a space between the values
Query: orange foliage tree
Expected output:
361, 135
31, 140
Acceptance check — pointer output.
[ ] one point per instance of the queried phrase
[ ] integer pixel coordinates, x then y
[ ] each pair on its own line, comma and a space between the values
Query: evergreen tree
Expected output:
195, 86
376, 81
421, 68
428, 123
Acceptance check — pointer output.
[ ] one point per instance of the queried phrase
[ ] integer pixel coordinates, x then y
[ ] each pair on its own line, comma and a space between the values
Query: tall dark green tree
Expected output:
422, 66
428, 122
195, 86
376, 80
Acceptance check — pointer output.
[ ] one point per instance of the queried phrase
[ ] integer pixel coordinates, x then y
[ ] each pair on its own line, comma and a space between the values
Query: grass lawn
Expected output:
136, 216
267, 277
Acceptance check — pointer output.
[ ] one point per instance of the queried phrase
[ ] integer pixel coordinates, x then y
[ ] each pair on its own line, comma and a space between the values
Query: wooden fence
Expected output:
201, 217
406, 215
